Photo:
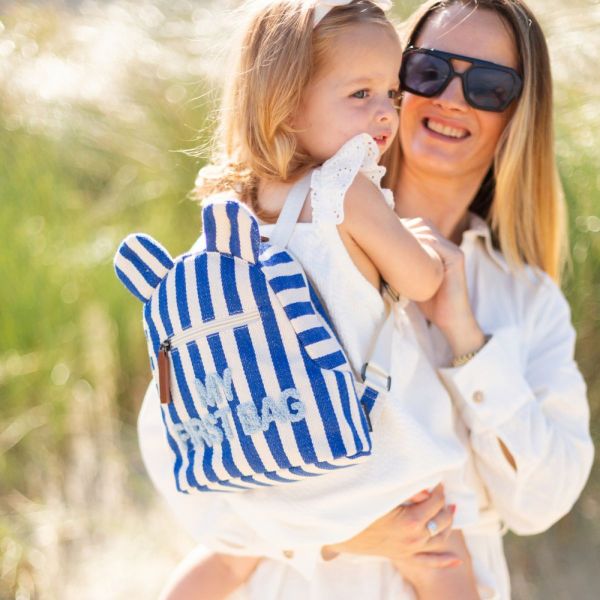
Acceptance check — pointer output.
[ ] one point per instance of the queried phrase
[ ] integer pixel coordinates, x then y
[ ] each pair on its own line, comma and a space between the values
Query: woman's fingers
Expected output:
437, 560
428, 509
440, 523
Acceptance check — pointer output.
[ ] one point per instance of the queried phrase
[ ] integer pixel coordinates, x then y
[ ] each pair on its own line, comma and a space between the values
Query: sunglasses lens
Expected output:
490, 89
424, 74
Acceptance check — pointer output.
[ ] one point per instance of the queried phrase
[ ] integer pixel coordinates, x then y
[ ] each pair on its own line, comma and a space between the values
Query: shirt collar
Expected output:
478, 228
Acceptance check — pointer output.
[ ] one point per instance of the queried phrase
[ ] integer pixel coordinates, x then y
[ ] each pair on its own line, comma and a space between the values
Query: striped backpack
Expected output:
255, 387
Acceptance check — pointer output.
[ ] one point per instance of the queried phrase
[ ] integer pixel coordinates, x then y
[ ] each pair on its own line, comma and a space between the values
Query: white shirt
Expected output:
523, 387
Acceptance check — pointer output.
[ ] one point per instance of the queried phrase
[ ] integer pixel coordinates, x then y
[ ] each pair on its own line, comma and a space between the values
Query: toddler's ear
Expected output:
229, 228
141, 263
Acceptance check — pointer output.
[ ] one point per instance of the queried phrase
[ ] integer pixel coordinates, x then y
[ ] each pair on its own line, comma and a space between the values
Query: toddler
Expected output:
314, 93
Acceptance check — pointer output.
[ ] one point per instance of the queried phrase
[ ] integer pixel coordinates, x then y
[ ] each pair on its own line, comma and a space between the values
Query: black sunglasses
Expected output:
486, 85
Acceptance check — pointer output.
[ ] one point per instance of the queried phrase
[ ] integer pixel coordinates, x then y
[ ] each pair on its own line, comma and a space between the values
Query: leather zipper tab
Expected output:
164, 372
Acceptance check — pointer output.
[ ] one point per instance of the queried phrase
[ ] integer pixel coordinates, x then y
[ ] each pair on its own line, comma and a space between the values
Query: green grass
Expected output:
77, 173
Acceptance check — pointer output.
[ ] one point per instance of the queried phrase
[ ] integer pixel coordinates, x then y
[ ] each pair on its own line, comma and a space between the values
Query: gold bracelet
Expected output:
463, 359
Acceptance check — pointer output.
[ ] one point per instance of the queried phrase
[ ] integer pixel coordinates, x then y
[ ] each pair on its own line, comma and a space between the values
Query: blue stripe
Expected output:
301, 472
277, 259
210, 229
155, 338
181, 296
299, 309
323, 402
192, 413
279, 357
332, 361
129, 285
287, 282
314, 335
206, 307
246, 441
232, 297
199, 372
249, 479
368, 398
159, 253
343, 381
145, 271
275, 477
163, 309
232, 209
255, 239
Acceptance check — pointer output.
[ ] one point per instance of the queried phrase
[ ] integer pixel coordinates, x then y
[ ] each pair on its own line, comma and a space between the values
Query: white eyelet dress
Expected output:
414, 441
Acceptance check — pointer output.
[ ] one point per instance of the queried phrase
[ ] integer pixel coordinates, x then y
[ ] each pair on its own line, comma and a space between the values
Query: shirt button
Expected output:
478, 397
288, 553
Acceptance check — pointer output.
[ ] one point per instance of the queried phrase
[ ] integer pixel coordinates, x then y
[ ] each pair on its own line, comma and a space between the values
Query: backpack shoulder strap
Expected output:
288, 217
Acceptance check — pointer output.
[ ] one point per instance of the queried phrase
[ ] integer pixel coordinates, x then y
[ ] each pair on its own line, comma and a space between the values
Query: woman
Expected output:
475, 160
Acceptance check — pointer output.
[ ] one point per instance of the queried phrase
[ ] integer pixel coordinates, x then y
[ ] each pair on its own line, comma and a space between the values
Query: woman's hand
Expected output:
403, 534
450, 308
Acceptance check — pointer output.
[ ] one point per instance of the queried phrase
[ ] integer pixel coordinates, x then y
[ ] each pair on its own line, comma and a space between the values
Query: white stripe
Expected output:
306, 322
215, 285
147, 258
282, 270
292, 295
244, 288
136, 278
223, 228
244, 228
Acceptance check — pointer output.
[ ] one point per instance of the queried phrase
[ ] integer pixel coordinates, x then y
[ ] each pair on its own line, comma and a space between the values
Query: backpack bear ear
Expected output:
230, 228
141, 263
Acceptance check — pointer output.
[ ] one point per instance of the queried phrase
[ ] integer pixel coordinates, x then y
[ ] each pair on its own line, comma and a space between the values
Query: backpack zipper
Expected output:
164, 370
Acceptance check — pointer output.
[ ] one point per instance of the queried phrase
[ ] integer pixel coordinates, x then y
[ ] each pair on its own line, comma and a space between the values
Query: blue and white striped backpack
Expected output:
255, 387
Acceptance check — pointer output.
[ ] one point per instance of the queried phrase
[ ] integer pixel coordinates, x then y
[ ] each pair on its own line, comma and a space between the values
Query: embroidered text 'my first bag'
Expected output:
255, 387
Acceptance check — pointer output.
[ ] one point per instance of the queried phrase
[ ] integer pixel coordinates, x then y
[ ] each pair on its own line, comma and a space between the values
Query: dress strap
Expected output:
288, 217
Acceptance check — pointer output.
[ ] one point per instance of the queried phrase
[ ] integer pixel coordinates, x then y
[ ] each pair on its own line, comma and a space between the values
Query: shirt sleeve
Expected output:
524, 388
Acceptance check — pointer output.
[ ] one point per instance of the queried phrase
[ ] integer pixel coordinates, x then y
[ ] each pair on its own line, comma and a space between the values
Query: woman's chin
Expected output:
439, 163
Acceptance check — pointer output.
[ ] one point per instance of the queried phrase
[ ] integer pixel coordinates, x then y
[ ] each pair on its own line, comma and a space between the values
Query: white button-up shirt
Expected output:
523, 388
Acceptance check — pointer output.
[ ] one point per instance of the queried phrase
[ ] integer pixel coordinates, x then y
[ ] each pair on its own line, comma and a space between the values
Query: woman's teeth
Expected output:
446, 130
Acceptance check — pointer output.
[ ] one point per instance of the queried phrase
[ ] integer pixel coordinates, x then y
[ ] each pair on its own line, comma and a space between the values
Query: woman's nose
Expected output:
452, 98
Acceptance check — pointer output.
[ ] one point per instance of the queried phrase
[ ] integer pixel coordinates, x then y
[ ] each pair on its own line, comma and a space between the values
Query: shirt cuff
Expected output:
490, 388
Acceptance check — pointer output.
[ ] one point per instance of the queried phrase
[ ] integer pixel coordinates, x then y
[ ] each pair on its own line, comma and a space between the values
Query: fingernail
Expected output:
452, 508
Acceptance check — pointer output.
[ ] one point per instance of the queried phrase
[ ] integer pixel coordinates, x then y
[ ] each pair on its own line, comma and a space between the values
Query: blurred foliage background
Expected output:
97, 100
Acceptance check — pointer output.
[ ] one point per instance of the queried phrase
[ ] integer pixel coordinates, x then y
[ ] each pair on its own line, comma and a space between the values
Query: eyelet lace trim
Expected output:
331, 181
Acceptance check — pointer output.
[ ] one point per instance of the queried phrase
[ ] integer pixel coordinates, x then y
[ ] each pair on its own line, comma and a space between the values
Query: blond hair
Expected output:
277, 56
521, 197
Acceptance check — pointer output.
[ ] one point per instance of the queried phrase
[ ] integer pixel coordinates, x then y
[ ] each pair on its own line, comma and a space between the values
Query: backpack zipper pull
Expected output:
164, 372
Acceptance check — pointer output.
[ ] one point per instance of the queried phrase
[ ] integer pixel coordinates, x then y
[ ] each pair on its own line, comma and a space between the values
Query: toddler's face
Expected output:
354, 92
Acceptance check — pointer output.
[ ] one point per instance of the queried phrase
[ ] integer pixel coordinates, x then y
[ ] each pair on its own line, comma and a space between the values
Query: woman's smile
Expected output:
442, 129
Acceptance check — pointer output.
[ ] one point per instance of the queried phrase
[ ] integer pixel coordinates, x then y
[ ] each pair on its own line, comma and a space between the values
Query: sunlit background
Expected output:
98, 101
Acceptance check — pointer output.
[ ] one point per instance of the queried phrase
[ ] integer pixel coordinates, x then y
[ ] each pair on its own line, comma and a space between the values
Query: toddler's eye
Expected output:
360, 94
393, 94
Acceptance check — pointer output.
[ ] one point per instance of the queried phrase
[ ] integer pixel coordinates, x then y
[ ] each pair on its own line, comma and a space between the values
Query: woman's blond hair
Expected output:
521, 197
277, 56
